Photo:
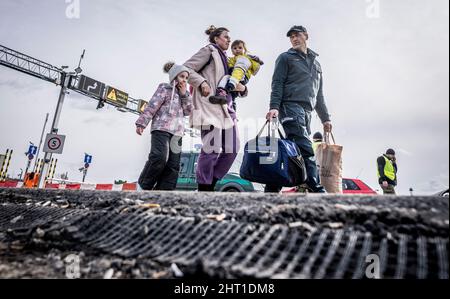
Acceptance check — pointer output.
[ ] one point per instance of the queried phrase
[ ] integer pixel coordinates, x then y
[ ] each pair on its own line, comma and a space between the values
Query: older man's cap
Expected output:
390, 152
296, 29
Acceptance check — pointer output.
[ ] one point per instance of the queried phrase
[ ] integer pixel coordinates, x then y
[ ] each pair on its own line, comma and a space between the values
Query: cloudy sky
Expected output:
385, 64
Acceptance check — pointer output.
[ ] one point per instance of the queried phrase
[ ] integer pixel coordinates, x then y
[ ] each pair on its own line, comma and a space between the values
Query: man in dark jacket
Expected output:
387, 172
297, 90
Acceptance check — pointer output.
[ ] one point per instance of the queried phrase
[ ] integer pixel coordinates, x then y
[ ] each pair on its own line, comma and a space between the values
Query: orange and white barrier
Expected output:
11, 184
82, 186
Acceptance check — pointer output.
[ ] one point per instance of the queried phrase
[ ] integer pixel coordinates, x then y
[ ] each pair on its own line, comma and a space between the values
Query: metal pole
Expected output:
55, 123
5, 172
4, 163
28, 167
84, 174
36, 165
49, 170
40, 167
40, 142
52, 176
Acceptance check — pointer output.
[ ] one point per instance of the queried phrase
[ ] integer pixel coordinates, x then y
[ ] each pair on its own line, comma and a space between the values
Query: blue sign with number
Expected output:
88, 159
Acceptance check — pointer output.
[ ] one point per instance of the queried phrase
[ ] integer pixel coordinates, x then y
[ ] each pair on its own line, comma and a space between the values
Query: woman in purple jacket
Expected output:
167, 109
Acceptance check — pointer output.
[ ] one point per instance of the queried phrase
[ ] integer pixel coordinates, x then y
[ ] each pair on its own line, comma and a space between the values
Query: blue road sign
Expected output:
30, 157
86, 165
32, 150
87, 159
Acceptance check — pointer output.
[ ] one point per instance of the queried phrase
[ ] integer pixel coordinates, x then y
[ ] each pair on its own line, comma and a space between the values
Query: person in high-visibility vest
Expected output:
29, 180
317, 139
387, 172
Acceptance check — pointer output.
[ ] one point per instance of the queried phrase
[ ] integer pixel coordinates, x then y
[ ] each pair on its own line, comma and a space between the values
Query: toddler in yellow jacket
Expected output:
242, 66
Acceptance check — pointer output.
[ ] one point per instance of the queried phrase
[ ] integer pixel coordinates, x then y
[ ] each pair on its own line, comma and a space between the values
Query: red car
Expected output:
355, 186
349, 186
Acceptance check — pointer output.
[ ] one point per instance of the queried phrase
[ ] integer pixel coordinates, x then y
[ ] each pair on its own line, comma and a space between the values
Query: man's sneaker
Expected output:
318, 189
304, 188
220, 98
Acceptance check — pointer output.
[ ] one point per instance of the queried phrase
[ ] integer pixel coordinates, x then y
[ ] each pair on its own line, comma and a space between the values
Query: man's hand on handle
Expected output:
272, 114
327, 127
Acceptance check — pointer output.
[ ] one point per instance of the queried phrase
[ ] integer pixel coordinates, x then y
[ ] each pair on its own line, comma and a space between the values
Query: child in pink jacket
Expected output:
167, 109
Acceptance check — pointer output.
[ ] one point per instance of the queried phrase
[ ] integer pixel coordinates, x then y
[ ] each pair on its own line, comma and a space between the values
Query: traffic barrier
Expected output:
83, 186
129, 187
73, 187
9, 184
52, 186
104, 187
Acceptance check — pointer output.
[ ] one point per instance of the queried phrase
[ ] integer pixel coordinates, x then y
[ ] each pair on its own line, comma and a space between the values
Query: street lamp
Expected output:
79, 70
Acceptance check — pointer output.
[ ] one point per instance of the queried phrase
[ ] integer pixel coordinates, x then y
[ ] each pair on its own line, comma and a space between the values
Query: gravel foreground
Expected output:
178, 234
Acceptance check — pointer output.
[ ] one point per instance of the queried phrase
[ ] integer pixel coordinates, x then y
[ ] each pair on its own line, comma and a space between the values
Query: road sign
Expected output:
32, 150
86, 165
54, 144
87, 159
115, 96
91, 86
142, 105
30, 157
